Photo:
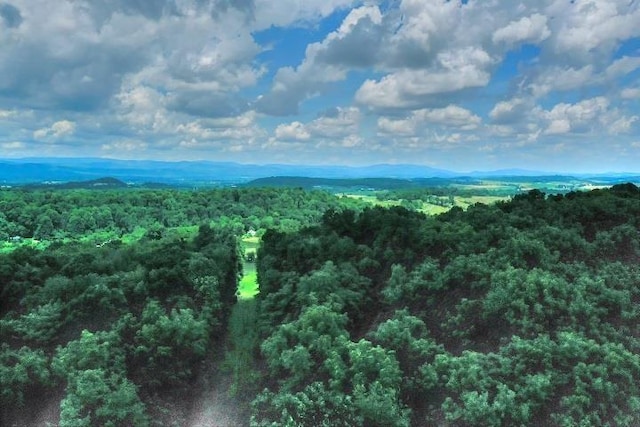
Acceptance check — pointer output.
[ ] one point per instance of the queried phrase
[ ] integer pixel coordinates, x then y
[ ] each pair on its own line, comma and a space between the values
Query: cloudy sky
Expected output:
461, 85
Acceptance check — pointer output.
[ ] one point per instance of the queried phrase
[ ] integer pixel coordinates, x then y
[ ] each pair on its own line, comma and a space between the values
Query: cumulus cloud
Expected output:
457, 70
336, 123
199, 74
588, 30
451, 117
578, 117
557, 78
511, 111
561, 79
324, 63
57, 130
294, 131
76, 56
295, 12
206, 131
531, 29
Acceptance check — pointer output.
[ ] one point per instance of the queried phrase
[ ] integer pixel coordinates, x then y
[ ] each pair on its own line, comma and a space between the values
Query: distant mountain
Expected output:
360, 183
206, 173
508, 172
35, 170
309, 183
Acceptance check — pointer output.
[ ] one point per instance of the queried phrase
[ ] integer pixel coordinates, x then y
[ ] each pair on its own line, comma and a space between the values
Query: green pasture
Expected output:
430, 208
373, 200
465, 202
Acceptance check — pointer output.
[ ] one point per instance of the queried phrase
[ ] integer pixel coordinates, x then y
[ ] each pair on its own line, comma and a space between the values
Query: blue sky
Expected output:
551, 85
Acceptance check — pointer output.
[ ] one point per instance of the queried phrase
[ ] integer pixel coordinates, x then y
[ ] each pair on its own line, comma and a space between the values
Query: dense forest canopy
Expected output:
523, 312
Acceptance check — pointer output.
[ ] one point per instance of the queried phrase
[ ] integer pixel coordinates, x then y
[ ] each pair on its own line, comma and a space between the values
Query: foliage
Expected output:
21, 372
520, 313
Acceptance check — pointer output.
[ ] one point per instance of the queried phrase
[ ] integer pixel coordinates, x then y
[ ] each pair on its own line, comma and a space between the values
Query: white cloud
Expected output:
63, 128
456, 70
622, 124
561, 79
6, 114
334, 124
12, 145
452, 117
630, 93
579, 117
207, 131
244, 120
532, 29
294, 131
188, 74
585, 30
293, 85
58, 129
557, 78
558, 126
294, 12
508, 111
352, 141
143, 108
622, 66
400, 127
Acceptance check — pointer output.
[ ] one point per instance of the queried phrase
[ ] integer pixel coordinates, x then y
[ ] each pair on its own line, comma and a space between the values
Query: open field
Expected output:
439, 205
463, 193
248, 285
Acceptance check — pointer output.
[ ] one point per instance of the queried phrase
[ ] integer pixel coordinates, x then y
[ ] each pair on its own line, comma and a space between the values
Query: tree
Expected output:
95, 397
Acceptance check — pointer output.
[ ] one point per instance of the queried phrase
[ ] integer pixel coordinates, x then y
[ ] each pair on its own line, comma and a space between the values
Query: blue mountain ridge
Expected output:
54, 169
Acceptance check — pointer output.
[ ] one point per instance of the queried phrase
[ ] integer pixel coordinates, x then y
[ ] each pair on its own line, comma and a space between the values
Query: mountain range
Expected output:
189, 173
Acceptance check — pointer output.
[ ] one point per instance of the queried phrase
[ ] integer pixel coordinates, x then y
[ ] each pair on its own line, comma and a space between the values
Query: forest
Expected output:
118, 302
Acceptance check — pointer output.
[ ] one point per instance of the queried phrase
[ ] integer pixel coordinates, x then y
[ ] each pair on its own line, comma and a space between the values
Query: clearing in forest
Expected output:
248, 286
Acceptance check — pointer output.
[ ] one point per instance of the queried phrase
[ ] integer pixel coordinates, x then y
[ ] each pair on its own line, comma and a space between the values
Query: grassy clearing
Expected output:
430, 209
373, 200
465, 202
248, 286
250, 243
243, 340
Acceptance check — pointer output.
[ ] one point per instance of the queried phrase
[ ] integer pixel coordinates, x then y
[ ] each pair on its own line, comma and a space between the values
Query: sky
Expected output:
549, 85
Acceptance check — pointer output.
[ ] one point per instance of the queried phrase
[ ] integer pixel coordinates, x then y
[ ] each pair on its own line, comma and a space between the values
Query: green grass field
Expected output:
430, 208
248, 286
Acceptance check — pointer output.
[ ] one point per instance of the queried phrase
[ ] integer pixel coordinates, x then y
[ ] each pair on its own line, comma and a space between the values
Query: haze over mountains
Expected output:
34, 170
